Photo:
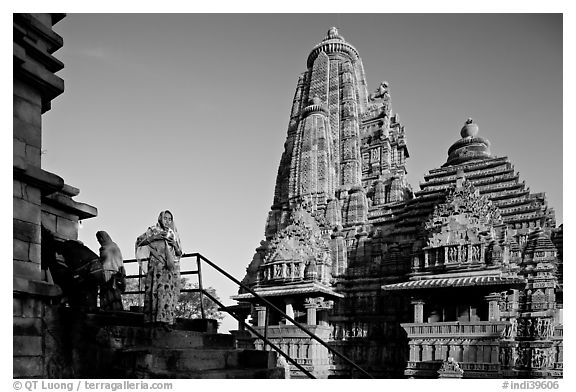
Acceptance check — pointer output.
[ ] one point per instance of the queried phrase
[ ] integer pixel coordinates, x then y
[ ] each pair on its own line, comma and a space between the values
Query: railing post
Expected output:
199, 266
140, 296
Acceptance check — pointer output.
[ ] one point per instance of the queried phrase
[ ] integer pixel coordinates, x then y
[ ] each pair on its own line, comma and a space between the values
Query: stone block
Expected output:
18, 189
26, 326
52, 317
232, 359
26, 231
188, 360
17, 308
19, 148
27, 345
35, 253
21, 250
33, 155
24, 91
27, 111
31, 307
26, 132
26, 211
218, 340
257, 359
27, 367
59, 213
177, 339
48, 220
27, 269
32, 194
67, 228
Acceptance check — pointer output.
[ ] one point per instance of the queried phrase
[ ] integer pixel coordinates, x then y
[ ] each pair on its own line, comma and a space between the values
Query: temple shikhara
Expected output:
461, 278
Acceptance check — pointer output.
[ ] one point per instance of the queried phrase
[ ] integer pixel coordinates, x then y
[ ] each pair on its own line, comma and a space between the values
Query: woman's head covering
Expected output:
171, 230
110, 254
103, 238
143, 252
161, 220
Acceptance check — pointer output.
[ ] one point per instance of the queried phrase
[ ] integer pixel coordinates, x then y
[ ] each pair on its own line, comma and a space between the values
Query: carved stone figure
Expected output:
450, 369
381, 92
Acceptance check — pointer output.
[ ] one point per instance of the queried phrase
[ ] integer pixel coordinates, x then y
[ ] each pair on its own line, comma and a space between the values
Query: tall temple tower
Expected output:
341, 142
344, 157
462, 277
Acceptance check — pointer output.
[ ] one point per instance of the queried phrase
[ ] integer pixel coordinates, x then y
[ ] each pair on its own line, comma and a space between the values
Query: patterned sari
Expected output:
161, 245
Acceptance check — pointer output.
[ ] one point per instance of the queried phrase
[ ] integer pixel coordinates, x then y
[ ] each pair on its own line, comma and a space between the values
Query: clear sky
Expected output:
189, 112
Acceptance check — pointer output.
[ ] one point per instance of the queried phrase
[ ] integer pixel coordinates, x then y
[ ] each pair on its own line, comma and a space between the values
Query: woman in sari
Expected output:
161, 245
114, 275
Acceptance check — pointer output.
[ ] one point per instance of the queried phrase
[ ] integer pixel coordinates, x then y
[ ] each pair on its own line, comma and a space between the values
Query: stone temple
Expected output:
461, 278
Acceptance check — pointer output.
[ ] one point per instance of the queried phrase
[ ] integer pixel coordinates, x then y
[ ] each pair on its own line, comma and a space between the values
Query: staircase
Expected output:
187, 358
119, 345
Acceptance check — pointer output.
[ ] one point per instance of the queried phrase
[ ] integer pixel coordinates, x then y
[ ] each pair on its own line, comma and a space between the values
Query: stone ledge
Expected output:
50, 85
22, 285
47, 182
66, 203
69, 190
45, 32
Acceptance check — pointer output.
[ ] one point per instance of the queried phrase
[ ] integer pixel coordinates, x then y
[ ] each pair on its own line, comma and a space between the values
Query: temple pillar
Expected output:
311, 309
493, 307
289, 310
494, 354
261, 315
443, 354
418, 310
412, 351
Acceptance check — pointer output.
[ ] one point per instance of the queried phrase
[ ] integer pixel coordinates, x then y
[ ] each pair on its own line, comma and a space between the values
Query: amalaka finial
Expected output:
470, 129
333, 34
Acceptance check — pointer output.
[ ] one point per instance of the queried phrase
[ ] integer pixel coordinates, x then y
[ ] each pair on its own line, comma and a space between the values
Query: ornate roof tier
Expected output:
307, 288
456, 282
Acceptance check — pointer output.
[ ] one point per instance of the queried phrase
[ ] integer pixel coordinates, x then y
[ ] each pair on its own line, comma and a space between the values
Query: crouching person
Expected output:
114, 274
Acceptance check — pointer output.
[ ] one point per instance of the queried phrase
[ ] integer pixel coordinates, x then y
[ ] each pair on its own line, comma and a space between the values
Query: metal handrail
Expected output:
223, 307
305, 330
200, 257
251, 329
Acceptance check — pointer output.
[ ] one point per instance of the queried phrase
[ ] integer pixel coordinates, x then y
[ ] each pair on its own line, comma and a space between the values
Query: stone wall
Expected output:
40, 199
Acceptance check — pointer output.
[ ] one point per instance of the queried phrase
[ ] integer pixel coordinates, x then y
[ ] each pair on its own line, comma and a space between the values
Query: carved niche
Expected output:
464, 217
298, 245
460, 229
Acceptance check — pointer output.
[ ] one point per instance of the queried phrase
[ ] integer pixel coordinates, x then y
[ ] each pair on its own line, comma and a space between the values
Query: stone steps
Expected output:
120, 345
216, 374
121, 336
150, 362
